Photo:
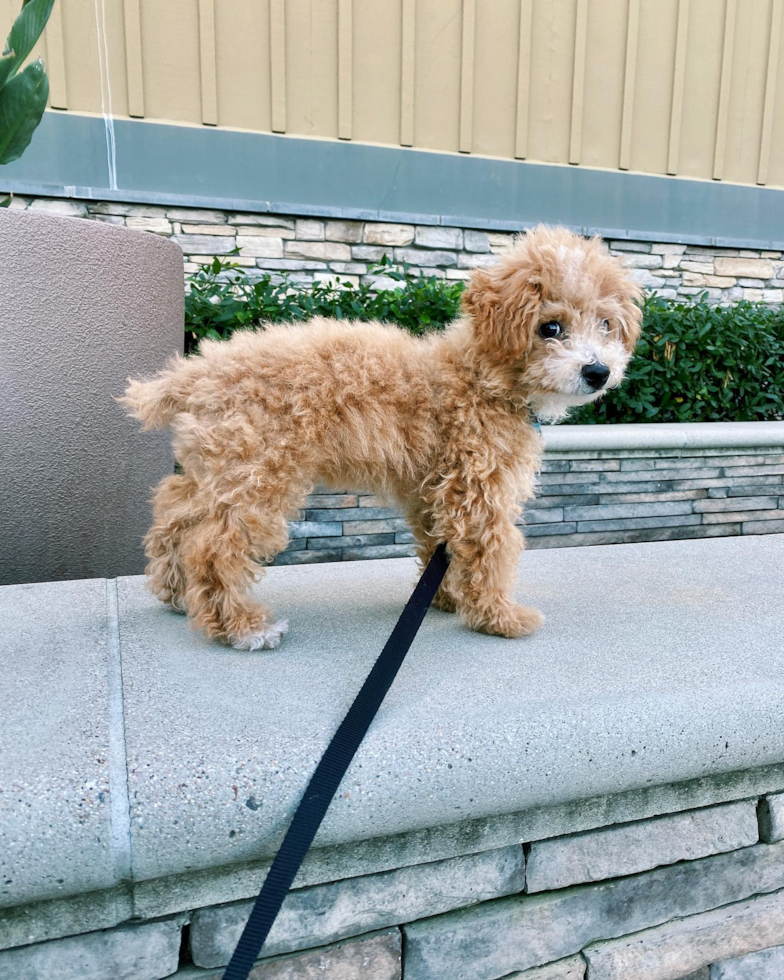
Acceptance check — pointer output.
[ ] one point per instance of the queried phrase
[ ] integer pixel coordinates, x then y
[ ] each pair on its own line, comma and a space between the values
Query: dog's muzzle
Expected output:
595, 375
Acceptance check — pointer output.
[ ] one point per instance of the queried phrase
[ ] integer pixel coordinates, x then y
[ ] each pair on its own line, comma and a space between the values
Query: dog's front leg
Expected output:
485, 546
421, 521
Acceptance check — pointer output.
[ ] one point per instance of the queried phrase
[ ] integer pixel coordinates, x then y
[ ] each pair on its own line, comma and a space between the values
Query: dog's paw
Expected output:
265, 638
528, 620
513, 622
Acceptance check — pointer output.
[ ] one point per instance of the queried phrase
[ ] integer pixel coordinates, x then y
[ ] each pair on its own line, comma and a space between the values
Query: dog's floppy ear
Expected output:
503, 307
630, 320
615, 282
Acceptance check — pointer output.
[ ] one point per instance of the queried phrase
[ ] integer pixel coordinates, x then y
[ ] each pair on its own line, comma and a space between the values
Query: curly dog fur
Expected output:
441, 423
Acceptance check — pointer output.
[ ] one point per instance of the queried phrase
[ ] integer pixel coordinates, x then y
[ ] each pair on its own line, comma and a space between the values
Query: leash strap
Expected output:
332, 768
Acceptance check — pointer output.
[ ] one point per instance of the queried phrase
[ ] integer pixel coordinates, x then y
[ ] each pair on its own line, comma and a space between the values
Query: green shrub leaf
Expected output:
22, 103
26, 30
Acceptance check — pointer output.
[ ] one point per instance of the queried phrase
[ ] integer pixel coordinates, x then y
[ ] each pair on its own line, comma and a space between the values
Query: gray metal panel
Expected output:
185, 165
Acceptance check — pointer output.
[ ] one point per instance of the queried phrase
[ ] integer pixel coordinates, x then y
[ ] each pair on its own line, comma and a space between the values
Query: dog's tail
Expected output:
157, 401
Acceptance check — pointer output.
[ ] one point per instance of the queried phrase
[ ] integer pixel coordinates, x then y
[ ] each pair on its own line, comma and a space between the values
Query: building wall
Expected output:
686, 87
657, 121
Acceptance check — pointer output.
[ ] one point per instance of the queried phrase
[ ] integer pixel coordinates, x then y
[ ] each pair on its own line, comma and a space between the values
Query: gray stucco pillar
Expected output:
84, 305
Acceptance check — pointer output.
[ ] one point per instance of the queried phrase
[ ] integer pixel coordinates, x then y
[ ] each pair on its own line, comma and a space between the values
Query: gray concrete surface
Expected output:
662, 435
55, 816
208, 167
84, 305
659, 663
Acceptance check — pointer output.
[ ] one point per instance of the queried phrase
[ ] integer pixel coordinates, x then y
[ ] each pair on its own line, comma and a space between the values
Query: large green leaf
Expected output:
22, 103
26, 30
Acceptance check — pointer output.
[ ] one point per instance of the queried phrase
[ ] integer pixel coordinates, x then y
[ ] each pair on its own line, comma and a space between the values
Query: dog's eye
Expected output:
550, 329
606, 326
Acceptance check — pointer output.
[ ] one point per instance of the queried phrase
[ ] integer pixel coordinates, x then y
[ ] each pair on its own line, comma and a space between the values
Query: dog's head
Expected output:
555, 318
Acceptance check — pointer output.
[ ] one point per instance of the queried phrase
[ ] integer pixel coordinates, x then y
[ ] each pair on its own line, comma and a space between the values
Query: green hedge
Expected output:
694, 363
223, 297
700, 363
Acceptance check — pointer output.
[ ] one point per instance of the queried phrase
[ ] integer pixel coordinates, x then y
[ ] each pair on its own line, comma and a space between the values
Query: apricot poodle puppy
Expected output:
441, 423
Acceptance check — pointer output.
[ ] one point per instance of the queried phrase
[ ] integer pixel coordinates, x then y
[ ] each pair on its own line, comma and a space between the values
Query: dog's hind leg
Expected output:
174, 509
221, 555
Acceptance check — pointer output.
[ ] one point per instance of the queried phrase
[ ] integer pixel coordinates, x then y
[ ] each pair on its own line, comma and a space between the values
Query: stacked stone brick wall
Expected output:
584, 498
616, 497
311, 249
694, 893
347, 527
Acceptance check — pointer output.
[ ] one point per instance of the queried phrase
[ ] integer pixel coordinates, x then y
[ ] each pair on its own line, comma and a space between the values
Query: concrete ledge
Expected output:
660, 663
677, 435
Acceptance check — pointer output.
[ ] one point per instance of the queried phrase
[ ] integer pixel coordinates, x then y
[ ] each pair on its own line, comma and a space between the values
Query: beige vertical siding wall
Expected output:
693, 88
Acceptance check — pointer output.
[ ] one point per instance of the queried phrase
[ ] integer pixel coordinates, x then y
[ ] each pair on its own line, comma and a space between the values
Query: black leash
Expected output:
332, 768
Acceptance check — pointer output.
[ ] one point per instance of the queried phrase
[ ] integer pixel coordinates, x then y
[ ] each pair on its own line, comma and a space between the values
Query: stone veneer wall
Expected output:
605, 497
693, 889
316, 248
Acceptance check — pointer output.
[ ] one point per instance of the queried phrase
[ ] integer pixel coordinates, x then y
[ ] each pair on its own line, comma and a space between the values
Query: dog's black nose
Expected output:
596, 374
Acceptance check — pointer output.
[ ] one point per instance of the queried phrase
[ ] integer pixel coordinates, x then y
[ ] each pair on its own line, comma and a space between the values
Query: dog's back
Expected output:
324, 359
356, 399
